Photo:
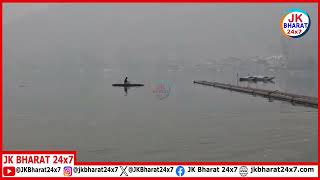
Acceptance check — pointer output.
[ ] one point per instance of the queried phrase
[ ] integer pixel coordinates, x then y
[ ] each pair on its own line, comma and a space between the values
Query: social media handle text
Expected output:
97, 169
201, 169
143, 169
31, 169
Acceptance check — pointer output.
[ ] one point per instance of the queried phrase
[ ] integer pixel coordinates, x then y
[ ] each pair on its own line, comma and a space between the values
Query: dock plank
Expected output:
275, 94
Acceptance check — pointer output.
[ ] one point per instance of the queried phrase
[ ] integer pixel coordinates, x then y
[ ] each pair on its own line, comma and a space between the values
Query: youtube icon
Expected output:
9, 171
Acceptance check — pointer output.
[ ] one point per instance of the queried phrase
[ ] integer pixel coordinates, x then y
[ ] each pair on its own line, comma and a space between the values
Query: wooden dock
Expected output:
293, 98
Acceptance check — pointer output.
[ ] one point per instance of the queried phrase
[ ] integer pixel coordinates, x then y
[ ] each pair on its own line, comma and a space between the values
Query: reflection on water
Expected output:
125, 90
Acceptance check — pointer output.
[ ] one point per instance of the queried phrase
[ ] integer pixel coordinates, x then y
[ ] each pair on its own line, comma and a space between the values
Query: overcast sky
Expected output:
155, 30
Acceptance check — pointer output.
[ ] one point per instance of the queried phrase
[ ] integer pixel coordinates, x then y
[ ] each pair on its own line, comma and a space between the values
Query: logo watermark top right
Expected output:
295, 23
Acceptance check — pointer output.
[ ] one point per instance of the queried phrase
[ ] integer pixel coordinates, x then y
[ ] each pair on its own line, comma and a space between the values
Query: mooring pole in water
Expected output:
293, 98
237, 79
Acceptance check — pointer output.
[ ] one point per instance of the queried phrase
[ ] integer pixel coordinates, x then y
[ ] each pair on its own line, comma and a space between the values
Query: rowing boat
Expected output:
256, 78
127, 85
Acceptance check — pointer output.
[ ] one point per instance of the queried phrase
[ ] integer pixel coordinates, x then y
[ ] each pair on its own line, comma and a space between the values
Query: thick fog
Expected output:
151, 32
60, 61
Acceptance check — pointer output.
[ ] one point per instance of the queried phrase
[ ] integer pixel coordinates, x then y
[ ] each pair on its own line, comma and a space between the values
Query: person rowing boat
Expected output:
126, 85
126, 81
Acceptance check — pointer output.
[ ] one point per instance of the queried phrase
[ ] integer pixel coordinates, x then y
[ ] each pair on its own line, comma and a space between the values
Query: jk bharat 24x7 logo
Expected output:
295, 23
162, 89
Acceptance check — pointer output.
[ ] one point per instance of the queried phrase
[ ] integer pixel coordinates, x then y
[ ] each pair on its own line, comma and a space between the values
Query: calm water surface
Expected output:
75, 107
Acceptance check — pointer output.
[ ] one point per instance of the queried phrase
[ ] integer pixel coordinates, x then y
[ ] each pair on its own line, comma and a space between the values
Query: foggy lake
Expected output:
60, 62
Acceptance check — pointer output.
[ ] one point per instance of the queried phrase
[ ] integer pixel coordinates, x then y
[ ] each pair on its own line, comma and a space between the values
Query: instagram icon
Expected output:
67, 171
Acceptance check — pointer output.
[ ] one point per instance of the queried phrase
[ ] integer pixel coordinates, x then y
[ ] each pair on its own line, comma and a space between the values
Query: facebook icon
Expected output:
180, 171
